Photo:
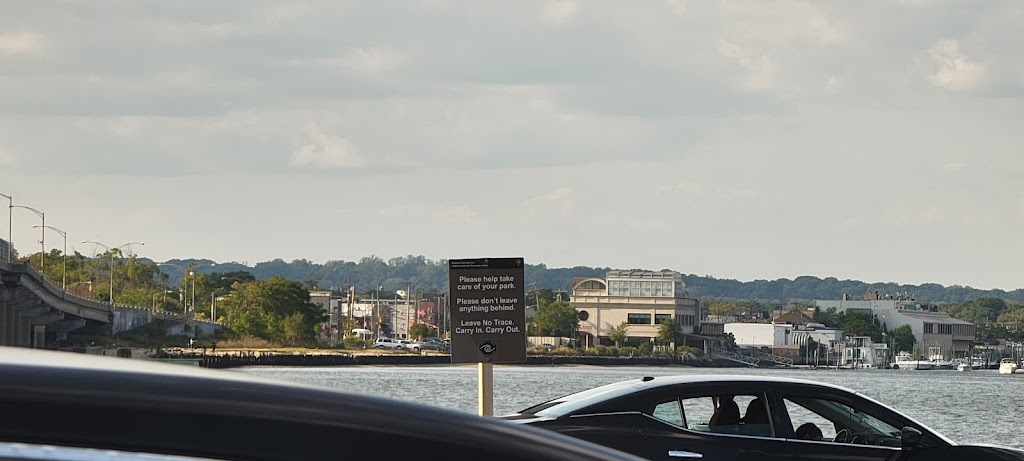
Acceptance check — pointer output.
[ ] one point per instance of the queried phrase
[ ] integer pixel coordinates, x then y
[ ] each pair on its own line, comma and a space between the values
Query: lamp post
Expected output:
64, 234
192, 273
10, 226
79, 283
112, 251
42, 241
184, 296
162, 293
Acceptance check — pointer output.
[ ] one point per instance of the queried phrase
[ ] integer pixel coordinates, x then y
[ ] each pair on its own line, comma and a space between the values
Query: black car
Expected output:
745, 418
72, 407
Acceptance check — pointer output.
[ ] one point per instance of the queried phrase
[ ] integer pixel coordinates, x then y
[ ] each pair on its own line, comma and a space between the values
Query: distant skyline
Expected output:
877, 141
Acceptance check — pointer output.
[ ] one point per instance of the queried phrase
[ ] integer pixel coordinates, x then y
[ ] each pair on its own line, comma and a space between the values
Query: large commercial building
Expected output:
936, 333
643, 300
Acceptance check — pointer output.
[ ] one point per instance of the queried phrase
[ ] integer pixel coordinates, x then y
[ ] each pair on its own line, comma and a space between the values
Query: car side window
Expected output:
801, 417
839, 422
670, 412
728, 414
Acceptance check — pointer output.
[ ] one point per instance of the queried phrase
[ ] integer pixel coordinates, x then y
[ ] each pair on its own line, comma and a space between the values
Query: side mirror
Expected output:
909, 437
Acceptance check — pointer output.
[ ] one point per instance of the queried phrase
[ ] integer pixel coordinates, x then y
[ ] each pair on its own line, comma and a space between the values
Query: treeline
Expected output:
420, 273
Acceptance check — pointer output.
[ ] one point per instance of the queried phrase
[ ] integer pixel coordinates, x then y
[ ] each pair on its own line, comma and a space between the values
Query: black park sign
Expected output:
488, 310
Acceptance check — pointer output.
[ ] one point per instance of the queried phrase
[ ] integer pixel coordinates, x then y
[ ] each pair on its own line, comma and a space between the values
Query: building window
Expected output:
929, 328
641, 289
638, 319
591, 285
686, 320
661, 318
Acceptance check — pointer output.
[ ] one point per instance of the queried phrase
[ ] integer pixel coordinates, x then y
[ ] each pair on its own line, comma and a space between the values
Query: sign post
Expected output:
488, 315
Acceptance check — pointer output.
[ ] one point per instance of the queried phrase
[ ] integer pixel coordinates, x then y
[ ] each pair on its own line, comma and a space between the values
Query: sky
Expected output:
877, 141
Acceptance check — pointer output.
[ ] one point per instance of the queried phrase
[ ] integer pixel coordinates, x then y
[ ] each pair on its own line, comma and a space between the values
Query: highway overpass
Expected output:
36, 313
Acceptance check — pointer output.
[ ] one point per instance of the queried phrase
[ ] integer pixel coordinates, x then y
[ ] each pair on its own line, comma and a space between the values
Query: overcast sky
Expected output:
879, 141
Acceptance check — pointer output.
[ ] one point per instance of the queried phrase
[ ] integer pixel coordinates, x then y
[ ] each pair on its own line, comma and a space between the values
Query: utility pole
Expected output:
408, 314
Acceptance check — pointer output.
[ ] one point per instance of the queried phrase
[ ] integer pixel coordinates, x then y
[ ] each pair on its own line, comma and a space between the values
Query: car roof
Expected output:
573, 402
135, 404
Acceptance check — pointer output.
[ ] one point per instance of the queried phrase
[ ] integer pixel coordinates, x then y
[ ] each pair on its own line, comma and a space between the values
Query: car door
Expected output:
830, 425
721, 422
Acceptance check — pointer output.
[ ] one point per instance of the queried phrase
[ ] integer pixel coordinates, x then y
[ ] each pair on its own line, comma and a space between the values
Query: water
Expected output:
975, 407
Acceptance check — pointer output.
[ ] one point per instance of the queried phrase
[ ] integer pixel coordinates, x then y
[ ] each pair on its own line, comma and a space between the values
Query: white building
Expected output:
931, 328
643, 300
760, 334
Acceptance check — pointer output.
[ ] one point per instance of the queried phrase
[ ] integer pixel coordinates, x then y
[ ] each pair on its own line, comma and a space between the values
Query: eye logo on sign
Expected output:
488, 348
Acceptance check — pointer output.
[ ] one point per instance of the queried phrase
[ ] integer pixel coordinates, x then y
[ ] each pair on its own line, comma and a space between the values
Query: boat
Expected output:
904, 361
940, 363
964, 366
1007, 366
938, 360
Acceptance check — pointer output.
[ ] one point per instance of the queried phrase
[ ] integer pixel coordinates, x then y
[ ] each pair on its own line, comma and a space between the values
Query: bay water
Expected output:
981, 406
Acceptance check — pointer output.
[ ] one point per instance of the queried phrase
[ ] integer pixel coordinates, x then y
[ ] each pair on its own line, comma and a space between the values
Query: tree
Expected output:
668, 332
557, 318
276, 309
619, 334
722, 308
827, 317
419, 330
859, 324
902, 338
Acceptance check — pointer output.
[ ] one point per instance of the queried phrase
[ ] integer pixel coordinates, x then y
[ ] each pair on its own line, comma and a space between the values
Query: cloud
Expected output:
362, 61
561, 201
6, 158
23, 44
759, 68
953, 69
325, 151
560, 11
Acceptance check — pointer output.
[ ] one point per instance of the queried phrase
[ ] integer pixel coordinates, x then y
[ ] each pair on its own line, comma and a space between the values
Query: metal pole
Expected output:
64, 270
111, 277
192, 274
42, 246
10, 226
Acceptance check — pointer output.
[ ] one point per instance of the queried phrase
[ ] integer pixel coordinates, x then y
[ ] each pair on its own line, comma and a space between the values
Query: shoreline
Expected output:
233, 358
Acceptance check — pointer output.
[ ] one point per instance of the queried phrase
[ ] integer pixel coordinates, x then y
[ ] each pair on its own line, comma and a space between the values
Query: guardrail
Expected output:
752, 357
59, 292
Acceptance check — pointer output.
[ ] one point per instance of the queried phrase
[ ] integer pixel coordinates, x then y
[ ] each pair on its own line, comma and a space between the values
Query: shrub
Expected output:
354, 342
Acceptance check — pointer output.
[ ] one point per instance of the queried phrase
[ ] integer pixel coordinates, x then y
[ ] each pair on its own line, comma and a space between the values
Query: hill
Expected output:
374, 274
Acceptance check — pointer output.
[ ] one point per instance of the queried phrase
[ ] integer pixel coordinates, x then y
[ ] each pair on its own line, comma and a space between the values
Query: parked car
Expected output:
784, 419
62, 406
387, 343
434, 344
409, 345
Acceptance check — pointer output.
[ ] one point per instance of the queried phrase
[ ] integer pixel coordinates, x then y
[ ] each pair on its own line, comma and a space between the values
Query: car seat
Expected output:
756, 413
727, 413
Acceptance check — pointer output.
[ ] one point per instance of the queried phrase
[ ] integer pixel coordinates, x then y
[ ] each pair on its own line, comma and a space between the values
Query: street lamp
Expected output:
112, 251
64, 278
163, 293
184, 295
80, 283
185, 274
10, 226
192, 274
42, 241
